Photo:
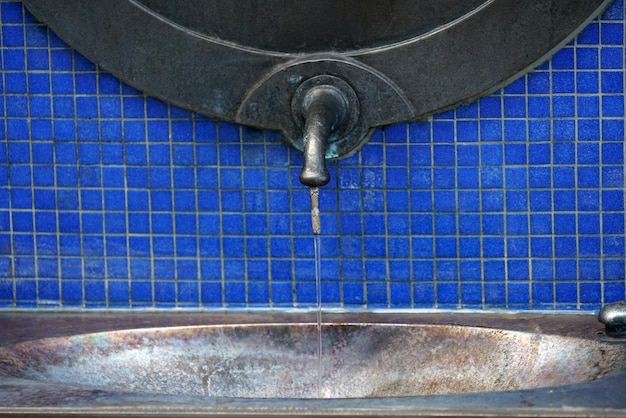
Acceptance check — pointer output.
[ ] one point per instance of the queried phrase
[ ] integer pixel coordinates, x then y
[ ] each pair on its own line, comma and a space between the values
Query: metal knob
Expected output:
613, 316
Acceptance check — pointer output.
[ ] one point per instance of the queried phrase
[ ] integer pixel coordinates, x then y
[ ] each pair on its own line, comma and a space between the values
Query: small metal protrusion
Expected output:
613, 316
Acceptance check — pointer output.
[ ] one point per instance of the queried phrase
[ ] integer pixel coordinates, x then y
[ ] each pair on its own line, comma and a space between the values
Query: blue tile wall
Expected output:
113, 199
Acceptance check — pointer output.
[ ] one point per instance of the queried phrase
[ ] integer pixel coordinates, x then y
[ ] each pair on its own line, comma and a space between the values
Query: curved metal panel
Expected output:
433, 58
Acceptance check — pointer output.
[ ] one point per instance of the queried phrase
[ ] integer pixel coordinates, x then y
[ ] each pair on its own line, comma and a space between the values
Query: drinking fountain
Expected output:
325, 74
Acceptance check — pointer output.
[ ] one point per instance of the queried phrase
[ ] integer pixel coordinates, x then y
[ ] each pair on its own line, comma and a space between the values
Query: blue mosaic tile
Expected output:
120, 200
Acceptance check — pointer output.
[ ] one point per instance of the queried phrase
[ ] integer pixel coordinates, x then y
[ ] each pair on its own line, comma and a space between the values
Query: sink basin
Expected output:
400, 361
280, 361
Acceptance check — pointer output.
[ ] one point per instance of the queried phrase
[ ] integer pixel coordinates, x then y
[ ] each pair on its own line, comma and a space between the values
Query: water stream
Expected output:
318, 290
317, 229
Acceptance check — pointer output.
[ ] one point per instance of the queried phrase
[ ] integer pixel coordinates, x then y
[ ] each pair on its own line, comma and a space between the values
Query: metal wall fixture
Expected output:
353, 65
613, 316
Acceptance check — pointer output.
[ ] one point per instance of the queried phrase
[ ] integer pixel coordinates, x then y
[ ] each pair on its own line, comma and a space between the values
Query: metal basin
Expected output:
280, 361
273, 359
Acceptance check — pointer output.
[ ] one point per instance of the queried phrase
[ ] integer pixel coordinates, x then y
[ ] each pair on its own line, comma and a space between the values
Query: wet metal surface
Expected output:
269, 361
279, 361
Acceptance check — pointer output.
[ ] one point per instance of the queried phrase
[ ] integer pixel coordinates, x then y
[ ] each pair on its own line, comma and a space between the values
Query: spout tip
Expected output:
314, 178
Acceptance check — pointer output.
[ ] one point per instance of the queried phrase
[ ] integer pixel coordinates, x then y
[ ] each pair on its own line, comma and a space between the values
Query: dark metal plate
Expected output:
313, 26
243, 61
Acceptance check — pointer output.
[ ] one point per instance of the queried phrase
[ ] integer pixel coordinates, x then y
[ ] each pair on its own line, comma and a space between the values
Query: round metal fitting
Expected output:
613, 316
350, 134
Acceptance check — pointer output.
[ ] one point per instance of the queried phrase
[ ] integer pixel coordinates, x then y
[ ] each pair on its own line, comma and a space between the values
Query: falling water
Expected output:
317, 229
318, 289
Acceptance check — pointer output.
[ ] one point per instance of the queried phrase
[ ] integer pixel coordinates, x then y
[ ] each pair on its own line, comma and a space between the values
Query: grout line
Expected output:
433, 213
386, 226
198, 212
268, 240
244, 223
221, 214
576, 71
552, 189
505, 211
11, 249
528, 190
31, 178
409, 260
457, 226
483, 293
106, 264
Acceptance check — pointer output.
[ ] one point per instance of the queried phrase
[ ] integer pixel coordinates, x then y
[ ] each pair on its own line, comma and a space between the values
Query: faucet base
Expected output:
338, 98
329, 109
278, 97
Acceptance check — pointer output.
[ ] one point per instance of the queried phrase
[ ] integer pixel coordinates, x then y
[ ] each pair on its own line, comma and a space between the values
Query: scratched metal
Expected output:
279, 360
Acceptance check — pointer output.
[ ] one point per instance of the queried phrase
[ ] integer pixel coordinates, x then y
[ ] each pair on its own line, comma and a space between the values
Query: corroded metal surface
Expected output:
213, 362
279, 361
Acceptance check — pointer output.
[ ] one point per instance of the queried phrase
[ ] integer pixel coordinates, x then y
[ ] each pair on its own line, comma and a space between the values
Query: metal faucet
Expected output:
326, 112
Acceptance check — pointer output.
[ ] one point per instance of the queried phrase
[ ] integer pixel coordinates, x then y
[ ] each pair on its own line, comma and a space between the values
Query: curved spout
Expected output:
325, 110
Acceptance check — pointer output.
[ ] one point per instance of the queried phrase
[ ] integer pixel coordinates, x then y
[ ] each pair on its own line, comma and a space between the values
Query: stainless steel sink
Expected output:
398, 364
